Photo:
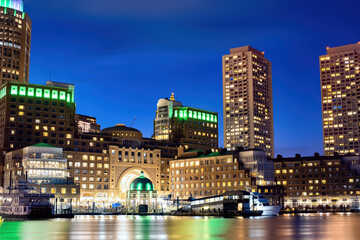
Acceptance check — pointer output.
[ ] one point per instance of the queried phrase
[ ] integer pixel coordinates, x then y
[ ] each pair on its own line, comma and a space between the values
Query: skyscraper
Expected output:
15, 41
340, 94
247, 100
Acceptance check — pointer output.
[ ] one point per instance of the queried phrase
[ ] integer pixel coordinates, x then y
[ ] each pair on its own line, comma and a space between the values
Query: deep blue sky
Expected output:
123, 55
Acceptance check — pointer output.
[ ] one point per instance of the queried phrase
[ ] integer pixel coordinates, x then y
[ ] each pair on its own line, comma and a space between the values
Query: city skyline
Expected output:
178, 60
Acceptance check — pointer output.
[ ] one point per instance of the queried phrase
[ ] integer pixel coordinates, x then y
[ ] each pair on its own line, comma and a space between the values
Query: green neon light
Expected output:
62, 95
46, 93
22, 91
181, 113
190, 114
185, 113
139, 186
215, 119
54, 94
132, 187
148, 187
23, 15
14, 4
5, 10
15, 13
38, 92
176, 113
14, 90
3, 92
30, 92
207, 117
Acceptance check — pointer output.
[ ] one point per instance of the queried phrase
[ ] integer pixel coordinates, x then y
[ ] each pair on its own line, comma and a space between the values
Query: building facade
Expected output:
318, 181
32, 114
195, 174
186, 126
15, 42
46, 169
340, 90
247, 100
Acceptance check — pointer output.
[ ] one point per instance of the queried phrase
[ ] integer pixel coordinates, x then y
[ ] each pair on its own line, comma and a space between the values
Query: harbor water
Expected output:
301, 226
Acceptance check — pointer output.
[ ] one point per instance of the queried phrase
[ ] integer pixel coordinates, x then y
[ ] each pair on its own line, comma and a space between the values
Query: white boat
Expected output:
260, 203
20, 203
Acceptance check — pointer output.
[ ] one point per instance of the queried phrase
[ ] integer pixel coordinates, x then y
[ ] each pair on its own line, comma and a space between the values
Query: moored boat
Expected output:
21, 203
260, 203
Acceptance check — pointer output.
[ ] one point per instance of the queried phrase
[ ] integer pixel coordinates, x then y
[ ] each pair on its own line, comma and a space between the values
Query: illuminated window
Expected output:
46, 93
30, 92
22, 91
38, 92
53, 190
63, 190
73, 191
54, 94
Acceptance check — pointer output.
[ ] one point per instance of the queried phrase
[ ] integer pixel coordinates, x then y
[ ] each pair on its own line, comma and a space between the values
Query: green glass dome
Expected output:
141, 184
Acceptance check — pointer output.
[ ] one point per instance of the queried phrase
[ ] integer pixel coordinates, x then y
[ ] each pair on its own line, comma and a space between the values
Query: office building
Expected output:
45, 168
34, 114
190, 127
319, 181
247, 100
15, 42
340, 93
198, 174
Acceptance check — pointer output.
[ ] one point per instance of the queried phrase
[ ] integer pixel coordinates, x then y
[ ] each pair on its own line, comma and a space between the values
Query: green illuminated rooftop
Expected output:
39, 91
194, 113
14, 4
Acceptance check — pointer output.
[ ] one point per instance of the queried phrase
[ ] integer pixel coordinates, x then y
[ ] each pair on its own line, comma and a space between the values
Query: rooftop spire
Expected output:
172, 98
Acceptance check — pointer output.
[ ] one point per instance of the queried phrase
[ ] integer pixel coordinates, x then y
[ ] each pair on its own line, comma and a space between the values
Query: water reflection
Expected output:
307, 226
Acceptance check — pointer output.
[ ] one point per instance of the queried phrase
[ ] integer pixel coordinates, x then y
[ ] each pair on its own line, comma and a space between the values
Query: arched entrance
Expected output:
128, 176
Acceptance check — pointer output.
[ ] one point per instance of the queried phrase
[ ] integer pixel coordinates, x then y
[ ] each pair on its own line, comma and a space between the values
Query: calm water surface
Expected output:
309, 226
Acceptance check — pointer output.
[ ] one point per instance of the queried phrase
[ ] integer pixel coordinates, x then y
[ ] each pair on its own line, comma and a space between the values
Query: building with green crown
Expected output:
142, 193
190, 127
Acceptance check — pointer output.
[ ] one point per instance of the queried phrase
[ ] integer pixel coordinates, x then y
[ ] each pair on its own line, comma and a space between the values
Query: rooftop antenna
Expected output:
133, 122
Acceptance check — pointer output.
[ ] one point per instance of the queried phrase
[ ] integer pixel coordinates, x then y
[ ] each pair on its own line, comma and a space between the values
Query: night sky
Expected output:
123, 55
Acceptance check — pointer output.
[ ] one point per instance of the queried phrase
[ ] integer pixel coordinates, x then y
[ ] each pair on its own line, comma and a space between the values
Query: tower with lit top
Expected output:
15, 42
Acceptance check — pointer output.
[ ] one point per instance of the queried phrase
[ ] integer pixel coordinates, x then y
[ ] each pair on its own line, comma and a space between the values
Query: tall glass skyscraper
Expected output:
340, 94
15, 42
247, 100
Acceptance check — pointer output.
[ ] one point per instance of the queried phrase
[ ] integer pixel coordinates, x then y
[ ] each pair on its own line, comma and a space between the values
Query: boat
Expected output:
260, 203
20, 202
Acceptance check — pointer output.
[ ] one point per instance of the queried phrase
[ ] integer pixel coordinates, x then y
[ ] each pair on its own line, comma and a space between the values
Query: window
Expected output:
53, 190
73, 191
63, 190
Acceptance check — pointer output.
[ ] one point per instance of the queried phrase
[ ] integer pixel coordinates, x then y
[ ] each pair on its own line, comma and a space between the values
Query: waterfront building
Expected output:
45, 168
340, 81
105, 178
142, 196
186, 126
247, 100
15, 42
34, 114
197, 174
319, 181
87, 124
